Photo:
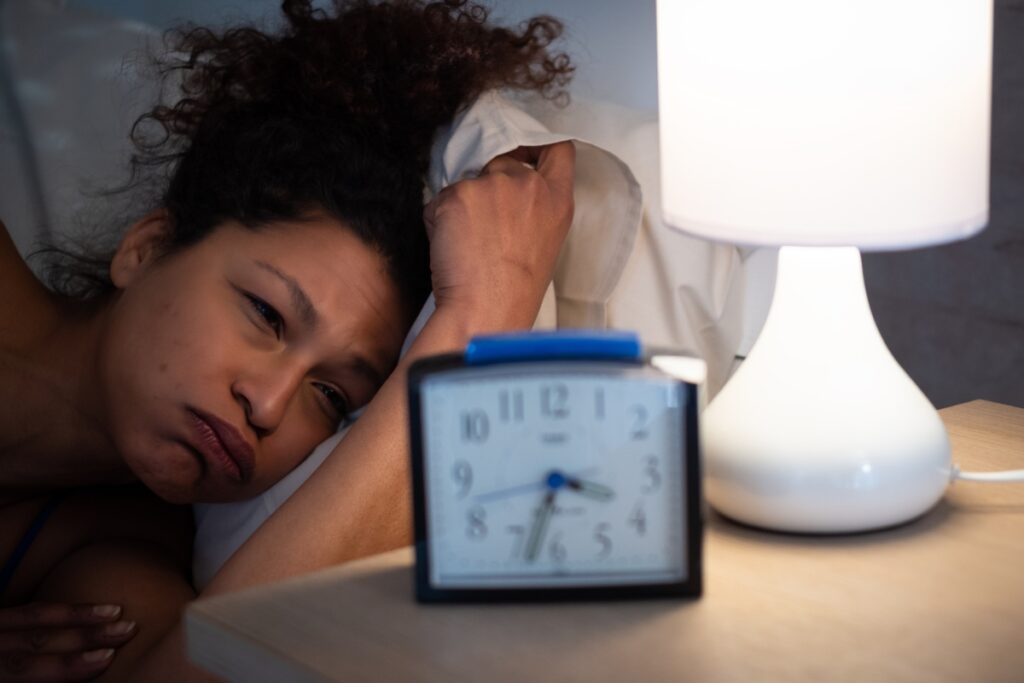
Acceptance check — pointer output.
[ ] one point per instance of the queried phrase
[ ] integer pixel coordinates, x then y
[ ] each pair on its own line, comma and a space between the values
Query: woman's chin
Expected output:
170, 471
185, 493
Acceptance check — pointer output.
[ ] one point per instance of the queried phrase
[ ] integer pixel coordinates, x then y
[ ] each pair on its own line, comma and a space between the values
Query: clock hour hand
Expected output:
589, 489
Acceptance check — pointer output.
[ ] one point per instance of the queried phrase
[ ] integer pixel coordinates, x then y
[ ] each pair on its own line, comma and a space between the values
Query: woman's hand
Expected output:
59, 642
494, 239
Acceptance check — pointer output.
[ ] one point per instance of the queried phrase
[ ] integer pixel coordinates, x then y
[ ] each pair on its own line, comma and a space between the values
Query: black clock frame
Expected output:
689, 587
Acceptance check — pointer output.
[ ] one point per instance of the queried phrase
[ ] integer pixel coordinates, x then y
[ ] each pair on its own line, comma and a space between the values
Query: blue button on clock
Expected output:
594, 344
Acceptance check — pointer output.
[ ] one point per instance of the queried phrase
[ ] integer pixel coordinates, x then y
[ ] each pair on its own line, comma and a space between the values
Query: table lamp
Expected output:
824, 127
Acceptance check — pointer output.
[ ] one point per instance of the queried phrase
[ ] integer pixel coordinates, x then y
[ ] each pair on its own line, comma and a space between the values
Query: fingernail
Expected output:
106, 610
119, 628
94, 656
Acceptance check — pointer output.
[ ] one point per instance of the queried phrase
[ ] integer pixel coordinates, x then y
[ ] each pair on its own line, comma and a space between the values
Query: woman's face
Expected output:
226, 363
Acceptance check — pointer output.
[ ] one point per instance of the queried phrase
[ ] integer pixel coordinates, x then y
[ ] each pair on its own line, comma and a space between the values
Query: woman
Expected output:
237, 323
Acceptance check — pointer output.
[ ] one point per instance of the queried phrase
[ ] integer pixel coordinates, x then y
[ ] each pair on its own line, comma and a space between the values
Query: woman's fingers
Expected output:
59, 642
554, 165
557, 162
56, 614
511, 163
494, 239
29, 667
56, 640
524, 155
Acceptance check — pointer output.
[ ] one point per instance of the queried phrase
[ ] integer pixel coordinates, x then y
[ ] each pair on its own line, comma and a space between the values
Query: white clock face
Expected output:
542, 479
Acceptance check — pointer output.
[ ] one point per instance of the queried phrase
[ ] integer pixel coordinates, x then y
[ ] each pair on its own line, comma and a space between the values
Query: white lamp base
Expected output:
820, 430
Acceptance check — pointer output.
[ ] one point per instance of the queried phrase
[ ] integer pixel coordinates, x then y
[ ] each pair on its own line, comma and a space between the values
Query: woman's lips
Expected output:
223, 446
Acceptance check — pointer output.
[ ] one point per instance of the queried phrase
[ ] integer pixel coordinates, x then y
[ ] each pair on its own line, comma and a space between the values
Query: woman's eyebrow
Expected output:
310, 316
307, 311
369, 372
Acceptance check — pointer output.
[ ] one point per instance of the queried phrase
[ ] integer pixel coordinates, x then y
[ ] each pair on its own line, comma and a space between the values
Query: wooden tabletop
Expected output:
940, 599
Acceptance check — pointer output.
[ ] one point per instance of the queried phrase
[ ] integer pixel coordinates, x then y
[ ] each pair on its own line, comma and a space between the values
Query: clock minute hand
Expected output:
589, 489
540, 525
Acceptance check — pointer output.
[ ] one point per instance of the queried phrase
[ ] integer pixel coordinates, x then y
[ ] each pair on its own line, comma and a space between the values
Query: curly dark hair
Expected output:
334, 113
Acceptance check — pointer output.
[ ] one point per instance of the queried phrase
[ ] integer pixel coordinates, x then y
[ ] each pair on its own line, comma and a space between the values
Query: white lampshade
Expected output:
825, 122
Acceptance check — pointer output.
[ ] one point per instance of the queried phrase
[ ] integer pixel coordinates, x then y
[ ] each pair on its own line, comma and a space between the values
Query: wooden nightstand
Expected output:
941, 598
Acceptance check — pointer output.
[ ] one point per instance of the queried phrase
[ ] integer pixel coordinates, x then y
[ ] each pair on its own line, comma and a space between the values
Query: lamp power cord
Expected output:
987, 477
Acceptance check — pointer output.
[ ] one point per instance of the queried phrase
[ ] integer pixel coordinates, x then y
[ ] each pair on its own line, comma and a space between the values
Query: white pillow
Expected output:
75, 89
609, 204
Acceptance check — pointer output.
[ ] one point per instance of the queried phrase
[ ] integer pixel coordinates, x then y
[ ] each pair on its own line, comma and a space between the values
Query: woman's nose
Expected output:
265, 393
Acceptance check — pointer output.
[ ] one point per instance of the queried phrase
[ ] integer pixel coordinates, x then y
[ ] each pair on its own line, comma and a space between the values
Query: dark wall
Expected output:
954, 315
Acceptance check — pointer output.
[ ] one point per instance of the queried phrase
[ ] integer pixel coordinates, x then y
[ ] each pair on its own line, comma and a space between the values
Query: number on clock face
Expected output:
542, 478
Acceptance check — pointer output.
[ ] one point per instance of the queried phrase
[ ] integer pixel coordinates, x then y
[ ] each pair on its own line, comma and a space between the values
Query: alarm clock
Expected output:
555, 465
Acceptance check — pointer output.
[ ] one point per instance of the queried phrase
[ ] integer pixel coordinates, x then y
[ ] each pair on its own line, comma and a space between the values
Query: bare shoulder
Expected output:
26, 302
10, 260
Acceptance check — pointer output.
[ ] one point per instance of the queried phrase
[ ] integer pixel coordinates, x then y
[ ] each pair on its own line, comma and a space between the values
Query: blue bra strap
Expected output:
26, 540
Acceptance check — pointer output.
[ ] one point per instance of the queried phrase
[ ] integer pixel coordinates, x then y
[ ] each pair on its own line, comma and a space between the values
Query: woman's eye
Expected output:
337, 400
268, 313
